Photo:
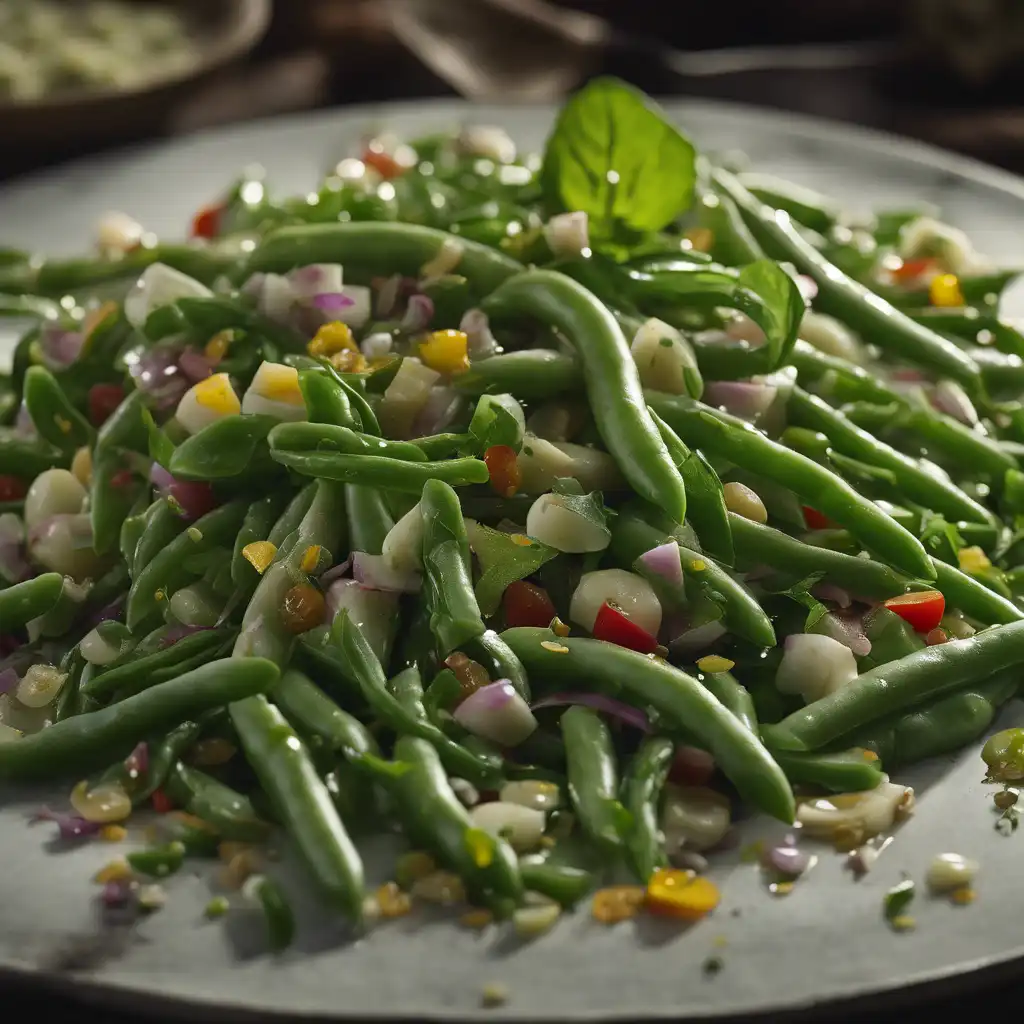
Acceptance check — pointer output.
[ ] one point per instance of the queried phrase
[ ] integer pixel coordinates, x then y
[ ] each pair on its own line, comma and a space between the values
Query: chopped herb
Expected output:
504, 558
897, 899
712, 965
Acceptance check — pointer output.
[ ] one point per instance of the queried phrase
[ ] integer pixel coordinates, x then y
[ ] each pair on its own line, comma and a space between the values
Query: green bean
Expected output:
804, 205
23, 602
849, 771
973, 598
53, 415
370, 250
682, 701
641, 794
158, 861
164, 522
27, 457
163, 754
731, 241
560, 882
846, 299
325, 401
612, 382
90, 740
287, 774
169, 570
374, 471
315, 715
369, 518
533, 375
500, 661
732, 695
433, 818
323, 437
740, 443
929, 673
228, 811
291, 518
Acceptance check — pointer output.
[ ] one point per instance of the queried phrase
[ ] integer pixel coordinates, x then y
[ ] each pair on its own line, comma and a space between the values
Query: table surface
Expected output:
870, 93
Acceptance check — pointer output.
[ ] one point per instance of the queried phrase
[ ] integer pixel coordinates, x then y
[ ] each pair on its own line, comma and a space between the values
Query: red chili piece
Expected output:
923, 609
525, 604
102, 400
12, 488
611, 625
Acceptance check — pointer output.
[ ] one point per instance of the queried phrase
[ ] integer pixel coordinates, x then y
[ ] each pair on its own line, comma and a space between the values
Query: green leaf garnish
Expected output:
498, 420
504, 558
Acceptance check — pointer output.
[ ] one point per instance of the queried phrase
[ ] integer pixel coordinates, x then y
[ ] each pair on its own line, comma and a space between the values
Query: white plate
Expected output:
826, 941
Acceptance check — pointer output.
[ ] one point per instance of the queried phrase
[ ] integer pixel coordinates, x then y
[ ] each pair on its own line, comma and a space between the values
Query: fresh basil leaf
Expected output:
504, 558
613, 155
498, 420
941, 539
801, 593
587, 506
897, 899
161, 447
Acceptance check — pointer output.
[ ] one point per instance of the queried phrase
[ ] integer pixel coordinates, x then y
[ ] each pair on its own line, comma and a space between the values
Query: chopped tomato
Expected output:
162, 803
923, 609
503, 466
102, 400
383, 163
12, 488
691, 766
910, 270
814, 519
612, 626
936, 636
526, 604
206, 222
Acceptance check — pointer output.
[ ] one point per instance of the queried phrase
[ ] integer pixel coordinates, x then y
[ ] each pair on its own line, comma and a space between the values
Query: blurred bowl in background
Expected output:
222, 31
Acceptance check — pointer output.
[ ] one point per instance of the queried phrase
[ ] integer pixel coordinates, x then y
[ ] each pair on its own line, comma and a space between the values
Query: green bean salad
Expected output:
547, 512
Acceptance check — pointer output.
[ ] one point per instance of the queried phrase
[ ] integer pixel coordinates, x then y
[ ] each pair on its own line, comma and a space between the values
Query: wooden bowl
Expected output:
223, 31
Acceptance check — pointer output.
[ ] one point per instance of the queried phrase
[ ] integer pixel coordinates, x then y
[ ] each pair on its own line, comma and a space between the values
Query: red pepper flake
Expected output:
923, 609
102, 400
614, 628
206, 222
162, 803
122, 478
12, 488
814, 519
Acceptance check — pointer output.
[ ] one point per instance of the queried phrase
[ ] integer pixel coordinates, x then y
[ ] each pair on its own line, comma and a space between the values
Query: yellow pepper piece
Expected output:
973, 560
259, 554
347, 361
521, 540
617, 903
392, 901
116, 871
113, 833
714, 663
446, 351
700, 239
331, 338
476, 919
311, 558
945, 291
681, 894
217, 347
216, 393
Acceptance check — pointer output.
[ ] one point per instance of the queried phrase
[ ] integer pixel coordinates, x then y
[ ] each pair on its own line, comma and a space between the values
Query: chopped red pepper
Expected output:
923, 609
936, 636
12, 488
162, 803
611, 625
206, 222
102, 400
503, 466
691, 766
122, 478
525, 604
814, 519
383, 163
910, 270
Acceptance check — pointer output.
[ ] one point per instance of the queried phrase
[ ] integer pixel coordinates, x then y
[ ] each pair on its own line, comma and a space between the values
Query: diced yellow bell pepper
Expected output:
446, 351
617, 903
681, 894
700, 238
348, 361
217, 347
259, 554
714, 663
945, 291
973, 560
331, 338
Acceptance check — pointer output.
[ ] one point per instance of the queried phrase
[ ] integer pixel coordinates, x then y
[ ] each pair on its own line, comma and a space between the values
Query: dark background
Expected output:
947, 71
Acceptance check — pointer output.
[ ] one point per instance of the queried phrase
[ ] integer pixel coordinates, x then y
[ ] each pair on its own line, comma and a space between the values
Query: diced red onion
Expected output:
194, 365
116, 894
160, 478
848, 630
497, 713
195, 497
826, 591
808, 287
332, 302
253, 286
664, 561
23, 425
137, 762
949, 397
747, 399
69, 826
691, 766
698, 638
599, 702
8, 680
480, 342
372, 571
336, 572
60, 347
316, 279
108, 613
156, 373
176, 633
418, 313
787, 860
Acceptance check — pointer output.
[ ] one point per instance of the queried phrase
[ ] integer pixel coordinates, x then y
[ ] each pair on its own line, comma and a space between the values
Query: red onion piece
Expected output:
664, 561
787, 860
23, 425
195, 497
440, 408
194, 365
332, 302
137, 762
480, 342
848, 630
69, 826
599, 702
418, 313
8, 680
826, 591
336, 572
497, 713
373, 572
116, 894
316, 279
949, 397
746, 399
60, 347
159, 477
108, 613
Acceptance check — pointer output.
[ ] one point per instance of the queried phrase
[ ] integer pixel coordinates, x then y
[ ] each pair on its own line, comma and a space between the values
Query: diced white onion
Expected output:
631, 594
357, 314
828, 335
378, 345
497, 713
97, 650
405, 397
160, 285
814, 666
488, 141
63, 544
551, 523
855, 817
522, 826
375, 612
567, 234
542, 462
403, 546
664, 359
